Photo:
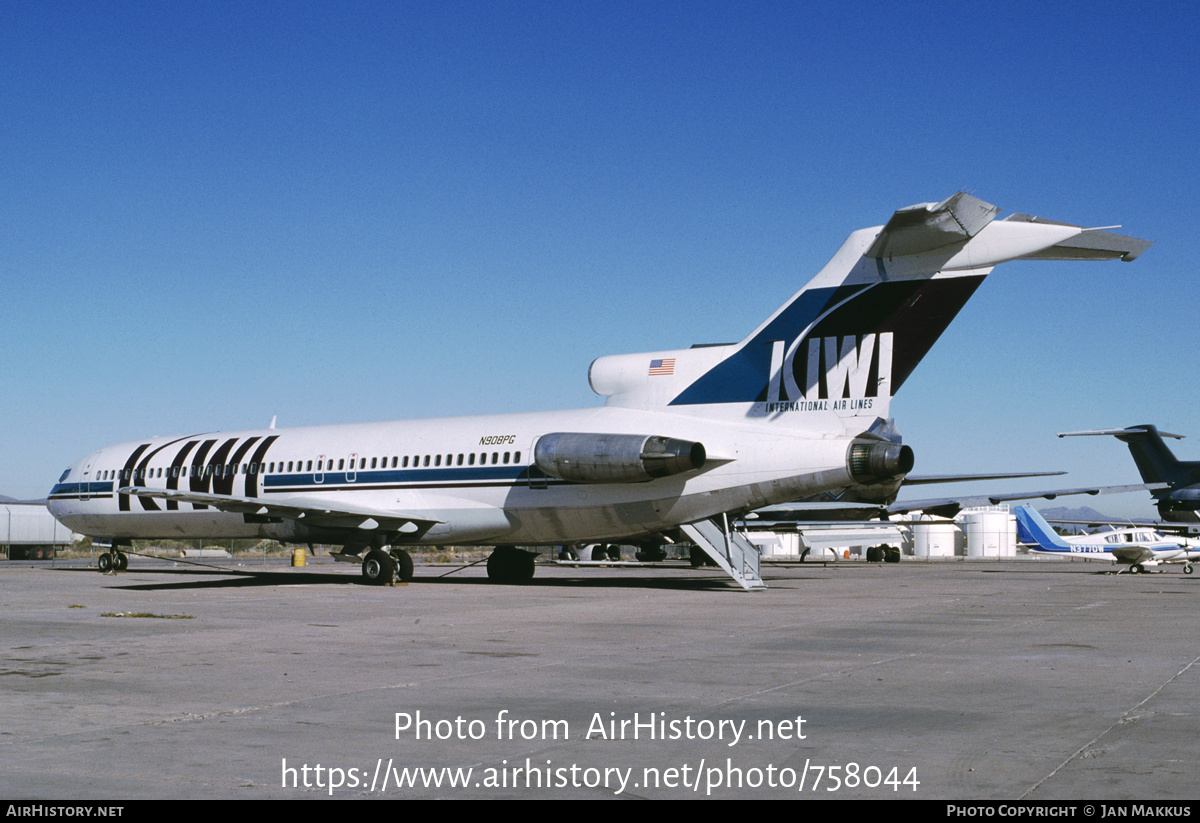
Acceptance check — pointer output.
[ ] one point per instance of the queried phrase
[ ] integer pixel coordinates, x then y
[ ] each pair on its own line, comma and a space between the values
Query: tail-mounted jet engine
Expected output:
615, 458
871, 460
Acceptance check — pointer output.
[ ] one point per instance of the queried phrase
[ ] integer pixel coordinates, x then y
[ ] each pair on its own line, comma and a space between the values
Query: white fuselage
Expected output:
1165, 549
473, 475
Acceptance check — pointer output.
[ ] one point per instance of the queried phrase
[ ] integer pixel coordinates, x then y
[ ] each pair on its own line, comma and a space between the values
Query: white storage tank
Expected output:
991, 531
935, 537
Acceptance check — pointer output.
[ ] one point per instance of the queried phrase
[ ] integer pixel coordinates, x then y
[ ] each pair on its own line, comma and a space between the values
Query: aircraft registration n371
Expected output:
685, 439
1136, 548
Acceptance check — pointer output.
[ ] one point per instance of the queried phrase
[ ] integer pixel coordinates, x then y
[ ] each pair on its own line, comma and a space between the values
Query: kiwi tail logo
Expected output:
830, 372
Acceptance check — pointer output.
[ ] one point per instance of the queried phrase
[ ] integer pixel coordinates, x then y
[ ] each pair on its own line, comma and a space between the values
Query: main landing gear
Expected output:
509, 565
384, 568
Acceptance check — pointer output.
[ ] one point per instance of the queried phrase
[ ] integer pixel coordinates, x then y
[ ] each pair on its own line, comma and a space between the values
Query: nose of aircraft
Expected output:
71, 488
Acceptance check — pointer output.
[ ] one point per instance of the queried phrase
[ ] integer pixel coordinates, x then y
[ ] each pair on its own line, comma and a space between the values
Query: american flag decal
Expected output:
664, 366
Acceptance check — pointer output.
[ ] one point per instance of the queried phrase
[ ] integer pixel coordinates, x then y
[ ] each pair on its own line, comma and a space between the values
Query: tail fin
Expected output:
1154, 460
1032, 528
833, 355
1180, 500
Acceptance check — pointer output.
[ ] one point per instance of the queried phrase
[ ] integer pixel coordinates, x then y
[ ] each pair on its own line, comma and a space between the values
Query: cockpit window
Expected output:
64, 475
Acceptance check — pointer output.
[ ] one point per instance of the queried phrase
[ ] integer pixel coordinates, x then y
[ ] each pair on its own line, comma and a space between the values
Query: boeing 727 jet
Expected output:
686, 438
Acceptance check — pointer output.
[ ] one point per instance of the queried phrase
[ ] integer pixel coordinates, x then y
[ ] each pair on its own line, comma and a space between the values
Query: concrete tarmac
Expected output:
1022, 679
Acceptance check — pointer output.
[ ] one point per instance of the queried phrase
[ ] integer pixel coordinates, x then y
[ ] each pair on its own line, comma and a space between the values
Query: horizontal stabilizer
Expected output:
1090, 244
929, 226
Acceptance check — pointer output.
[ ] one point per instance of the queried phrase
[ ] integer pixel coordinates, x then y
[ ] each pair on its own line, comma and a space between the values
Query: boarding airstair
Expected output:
729, 549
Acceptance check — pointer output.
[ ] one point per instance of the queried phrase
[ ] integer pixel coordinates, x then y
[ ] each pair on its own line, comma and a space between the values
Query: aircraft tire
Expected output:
1137, 568
122, 562
105, 563
612, 552
510, 566
651, 554
524, 568
378, 568
1187, 568
599, 553
404, 565
496, 568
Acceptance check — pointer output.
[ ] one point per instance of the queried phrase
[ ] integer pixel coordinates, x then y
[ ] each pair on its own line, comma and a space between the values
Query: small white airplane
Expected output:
1138, 548
685, 439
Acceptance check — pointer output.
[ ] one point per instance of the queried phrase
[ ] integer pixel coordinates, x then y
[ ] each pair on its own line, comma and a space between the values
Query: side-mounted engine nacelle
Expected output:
1180, 500
872, 460
584, 457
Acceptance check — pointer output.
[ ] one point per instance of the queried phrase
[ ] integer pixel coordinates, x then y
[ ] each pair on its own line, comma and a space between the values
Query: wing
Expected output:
311, 512
1161, 525
949, 507
924, 479
1132, 554
819, 511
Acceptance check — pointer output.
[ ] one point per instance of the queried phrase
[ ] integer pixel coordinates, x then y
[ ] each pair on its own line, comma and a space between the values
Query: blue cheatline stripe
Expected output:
79, 489
446, 476
367, 477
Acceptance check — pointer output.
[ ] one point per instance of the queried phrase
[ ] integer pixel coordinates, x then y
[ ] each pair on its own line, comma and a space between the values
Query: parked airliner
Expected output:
686, 438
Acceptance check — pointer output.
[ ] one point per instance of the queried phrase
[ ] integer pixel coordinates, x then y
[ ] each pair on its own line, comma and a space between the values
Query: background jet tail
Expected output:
1157, 464
833, 355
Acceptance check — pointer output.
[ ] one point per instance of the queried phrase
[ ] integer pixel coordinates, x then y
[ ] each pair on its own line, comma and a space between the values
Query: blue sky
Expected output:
214, 213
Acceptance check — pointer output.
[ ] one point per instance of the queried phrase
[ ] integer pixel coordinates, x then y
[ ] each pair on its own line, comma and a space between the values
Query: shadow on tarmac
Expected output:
226, 578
